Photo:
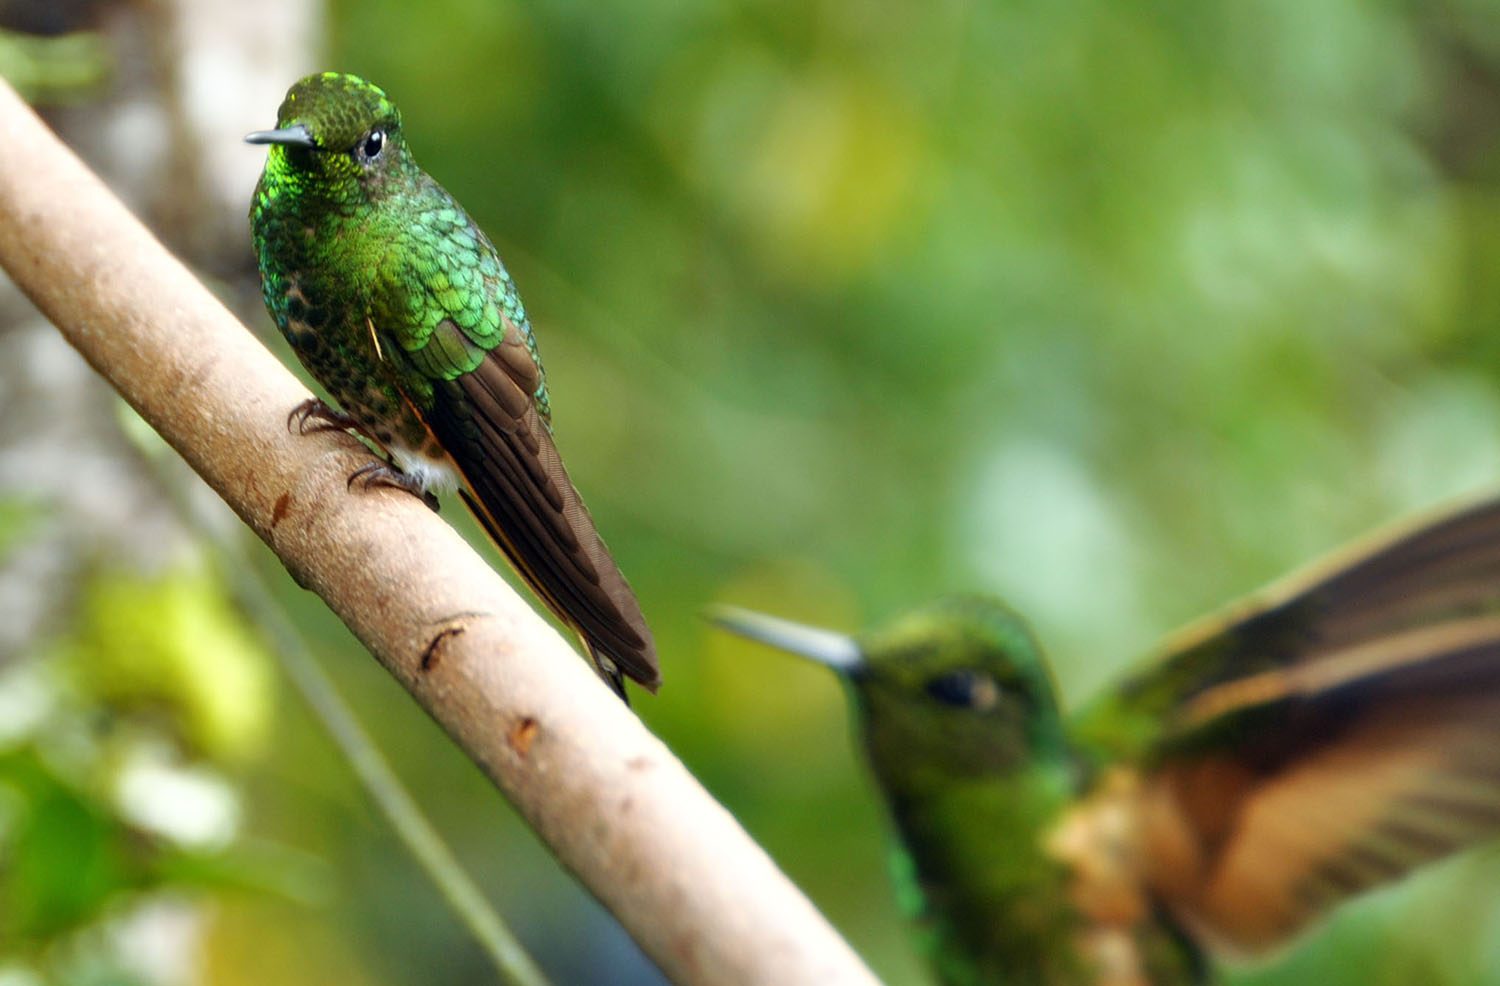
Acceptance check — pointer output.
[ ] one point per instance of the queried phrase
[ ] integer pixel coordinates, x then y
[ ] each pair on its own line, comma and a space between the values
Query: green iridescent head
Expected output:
957, 688
336, 135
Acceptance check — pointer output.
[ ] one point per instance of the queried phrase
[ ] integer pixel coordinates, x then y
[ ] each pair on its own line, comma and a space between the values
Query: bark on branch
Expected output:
615, 806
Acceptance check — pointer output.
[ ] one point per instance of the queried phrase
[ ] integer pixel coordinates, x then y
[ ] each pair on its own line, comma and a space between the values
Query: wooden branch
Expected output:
615, 806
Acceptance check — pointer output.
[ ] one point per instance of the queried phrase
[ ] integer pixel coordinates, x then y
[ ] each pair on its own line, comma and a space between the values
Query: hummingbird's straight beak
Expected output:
834, 650
296, 135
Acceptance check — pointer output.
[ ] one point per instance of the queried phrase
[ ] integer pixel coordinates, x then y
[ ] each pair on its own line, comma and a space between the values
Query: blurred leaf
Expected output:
65, 68
62, 858
16, 518
176, 639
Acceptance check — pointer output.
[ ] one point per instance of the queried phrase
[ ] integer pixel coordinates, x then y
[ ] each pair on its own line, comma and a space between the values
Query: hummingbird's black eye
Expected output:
372, 145
965, 689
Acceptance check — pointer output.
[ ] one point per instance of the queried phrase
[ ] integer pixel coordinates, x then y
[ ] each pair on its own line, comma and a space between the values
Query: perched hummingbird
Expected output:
1321, 739
398, 304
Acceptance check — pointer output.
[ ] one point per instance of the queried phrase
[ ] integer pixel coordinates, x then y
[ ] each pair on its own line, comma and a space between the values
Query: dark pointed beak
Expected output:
834, 650
297, 135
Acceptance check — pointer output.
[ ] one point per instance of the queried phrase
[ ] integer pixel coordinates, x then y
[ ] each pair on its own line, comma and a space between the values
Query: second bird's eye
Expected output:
965, 689
372, 145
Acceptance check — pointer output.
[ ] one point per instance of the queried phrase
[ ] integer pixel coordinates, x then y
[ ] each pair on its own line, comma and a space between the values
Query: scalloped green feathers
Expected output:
399, 306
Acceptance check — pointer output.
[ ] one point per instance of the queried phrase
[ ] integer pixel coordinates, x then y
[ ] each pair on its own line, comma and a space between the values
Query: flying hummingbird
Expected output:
399, 305
1319, 740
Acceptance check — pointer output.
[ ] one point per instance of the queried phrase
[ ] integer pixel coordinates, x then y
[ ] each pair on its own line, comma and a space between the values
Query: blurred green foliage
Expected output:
176, 641
113, 809
58, 69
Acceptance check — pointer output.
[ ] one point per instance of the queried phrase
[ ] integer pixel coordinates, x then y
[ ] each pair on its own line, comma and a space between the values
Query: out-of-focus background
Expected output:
1115, 310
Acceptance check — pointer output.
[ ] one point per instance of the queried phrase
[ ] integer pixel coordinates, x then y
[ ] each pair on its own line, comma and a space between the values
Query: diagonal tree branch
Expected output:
615, 806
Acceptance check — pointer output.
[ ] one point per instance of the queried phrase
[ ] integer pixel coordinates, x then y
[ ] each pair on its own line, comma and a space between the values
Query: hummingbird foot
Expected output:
385, 474
313, 415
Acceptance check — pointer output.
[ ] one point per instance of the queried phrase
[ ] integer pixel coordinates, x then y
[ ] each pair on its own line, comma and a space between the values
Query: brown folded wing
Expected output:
487, 421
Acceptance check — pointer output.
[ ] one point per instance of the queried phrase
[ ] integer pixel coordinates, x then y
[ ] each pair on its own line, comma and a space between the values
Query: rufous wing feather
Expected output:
1328, 741
1422, 575
1327, 794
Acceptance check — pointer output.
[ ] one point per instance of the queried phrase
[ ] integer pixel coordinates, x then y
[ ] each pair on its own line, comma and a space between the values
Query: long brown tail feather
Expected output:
607, 668
488, 423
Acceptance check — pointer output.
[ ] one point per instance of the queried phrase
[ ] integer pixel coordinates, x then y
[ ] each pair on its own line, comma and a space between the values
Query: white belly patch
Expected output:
435, 475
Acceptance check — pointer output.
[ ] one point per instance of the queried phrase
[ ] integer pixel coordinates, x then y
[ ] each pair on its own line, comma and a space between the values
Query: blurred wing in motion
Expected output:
1314, 747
